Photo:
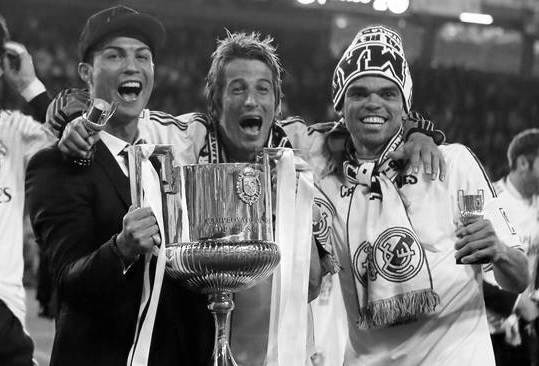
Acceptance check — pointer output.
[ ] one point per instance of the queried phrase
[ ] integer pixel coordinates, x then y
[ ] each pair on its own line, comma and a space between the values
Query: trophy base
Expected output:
215, 266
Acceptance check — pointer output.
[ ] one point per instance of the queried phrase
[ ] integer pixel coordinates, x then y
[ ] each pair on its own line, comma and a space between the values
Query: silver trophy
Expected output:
218, 229
470, 208
94, 120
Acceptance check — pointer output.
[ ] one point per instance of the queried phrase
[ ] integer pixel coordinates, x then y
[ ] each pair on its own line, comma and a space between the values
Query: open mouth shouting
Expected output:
251, 125
130, 90
373, 120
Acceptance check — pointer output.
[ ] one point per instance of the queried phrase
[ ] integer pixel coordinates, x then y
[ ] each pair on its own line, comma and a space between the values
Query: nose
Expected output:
373, 101
250, 100
130, 64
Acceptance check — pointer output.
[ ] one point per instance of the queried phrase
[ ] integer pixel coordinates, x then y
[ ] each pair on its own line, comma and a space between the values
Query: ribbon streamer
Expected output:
140, 350
287, 340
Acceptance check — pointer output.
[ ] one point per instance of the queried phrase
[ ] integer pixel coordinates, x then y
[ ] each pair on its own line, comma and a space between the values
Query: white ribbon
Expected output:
330, 322
287, 339
140, 349
185, 234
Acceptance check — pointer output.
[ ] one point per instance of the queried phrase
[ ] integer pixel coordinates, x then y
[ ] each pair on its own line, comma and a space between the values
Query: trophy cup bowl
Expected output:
214, 266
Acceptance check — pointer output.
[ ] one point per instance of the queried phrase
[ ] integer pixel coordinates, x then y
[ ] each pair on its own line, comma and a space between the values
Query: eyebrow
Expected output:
378, 90
119, 48
241, 79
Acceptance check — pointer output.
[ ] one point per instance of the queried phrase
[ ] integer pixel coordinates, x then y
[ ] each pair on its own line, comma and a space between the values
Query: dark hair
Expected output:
236, 46
524, 143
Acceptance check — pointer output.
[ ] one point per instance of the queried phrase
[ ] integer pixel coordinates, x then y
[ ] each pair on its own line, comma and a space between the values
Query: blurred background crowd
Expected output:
481, 93
479, 83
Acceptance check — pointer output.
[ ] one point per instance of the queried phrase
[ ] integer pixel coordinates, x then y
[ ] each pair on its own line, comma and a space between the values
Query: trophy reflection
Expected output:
470, 208
218, 230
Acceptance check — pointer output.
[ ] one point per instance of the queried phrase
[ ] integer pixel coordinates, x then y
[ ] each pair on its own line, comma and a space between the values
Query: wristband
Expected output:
437, 135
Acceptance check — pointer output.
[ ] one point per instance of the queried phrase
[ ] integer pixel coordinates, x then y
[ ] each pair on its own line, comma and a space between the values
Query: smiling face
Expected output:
373, 111
121, 71
248, 108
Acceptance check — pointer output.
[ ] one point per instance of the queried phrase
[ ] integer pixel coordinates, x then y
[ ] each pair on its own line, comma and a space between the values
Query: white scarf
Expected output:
393, 279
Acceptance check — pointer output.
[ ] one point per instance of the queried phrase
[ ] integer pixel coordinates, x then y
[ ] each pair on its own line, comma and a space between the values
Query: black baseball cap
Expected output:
120, 21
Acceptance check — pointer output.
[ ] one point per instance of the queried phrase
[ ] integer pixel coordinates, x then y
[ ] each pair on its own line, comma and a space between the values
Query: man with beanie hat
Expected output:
97, 239
396, 233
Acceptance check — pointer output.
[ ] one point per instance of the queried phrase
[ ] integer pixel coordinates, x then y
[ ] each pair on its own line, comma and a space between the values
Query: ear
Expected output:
85, 72
522, 163
278, 111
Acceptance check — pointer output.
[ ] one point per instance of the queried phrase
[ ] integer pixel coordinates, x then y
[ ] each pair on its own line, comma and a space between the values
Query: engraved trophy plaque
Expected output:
218, 230
470, 208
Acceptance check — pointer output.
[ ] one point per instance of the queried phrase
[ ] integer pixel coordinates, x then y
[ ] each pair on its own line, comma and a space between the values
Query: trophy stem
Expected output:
221, 306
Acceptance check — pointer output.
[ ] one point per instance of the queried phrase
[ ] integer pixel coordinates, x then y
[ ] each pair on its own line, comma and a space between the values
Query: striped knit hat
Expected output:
376, 51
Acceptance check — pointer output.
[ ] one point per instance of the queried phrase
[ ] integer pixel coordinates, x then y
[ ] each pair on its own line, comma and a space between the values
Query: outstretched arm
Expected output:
20, 75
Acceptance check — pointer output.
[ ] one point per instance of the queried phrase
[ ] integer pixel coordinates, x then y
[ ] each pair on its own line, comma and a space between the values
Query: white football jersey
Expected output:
457, 333
20, 138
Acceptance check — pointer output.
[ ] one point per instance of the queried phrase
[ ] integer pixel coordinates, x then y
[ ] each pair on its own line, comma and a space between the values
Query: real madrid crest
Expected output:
397, 255
248, 186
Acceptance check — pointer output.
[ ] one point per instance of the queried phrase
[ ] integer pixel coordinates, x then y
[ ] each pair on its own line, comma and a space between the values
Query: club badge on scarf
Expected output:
393, 279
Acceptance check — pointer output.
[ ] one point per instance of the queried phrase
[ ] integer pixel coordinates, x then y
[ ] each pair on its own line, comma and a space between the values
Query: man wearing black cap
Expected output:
84, 217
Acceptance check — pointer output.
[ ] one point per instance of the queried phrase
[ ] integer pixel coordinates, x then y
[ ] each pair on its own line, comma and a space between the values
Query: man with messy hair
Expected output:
244, 95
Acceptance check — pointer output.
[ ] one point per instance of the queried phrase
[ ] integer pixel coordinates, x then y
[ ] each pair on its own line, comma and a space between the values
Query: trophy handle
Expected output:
167, 173
162, 160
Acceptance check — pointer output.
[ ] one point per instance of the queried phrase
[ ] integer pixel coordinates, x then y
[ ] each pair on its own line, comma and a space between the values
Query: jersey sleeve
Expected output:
323, 215
34, 136
197, 129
